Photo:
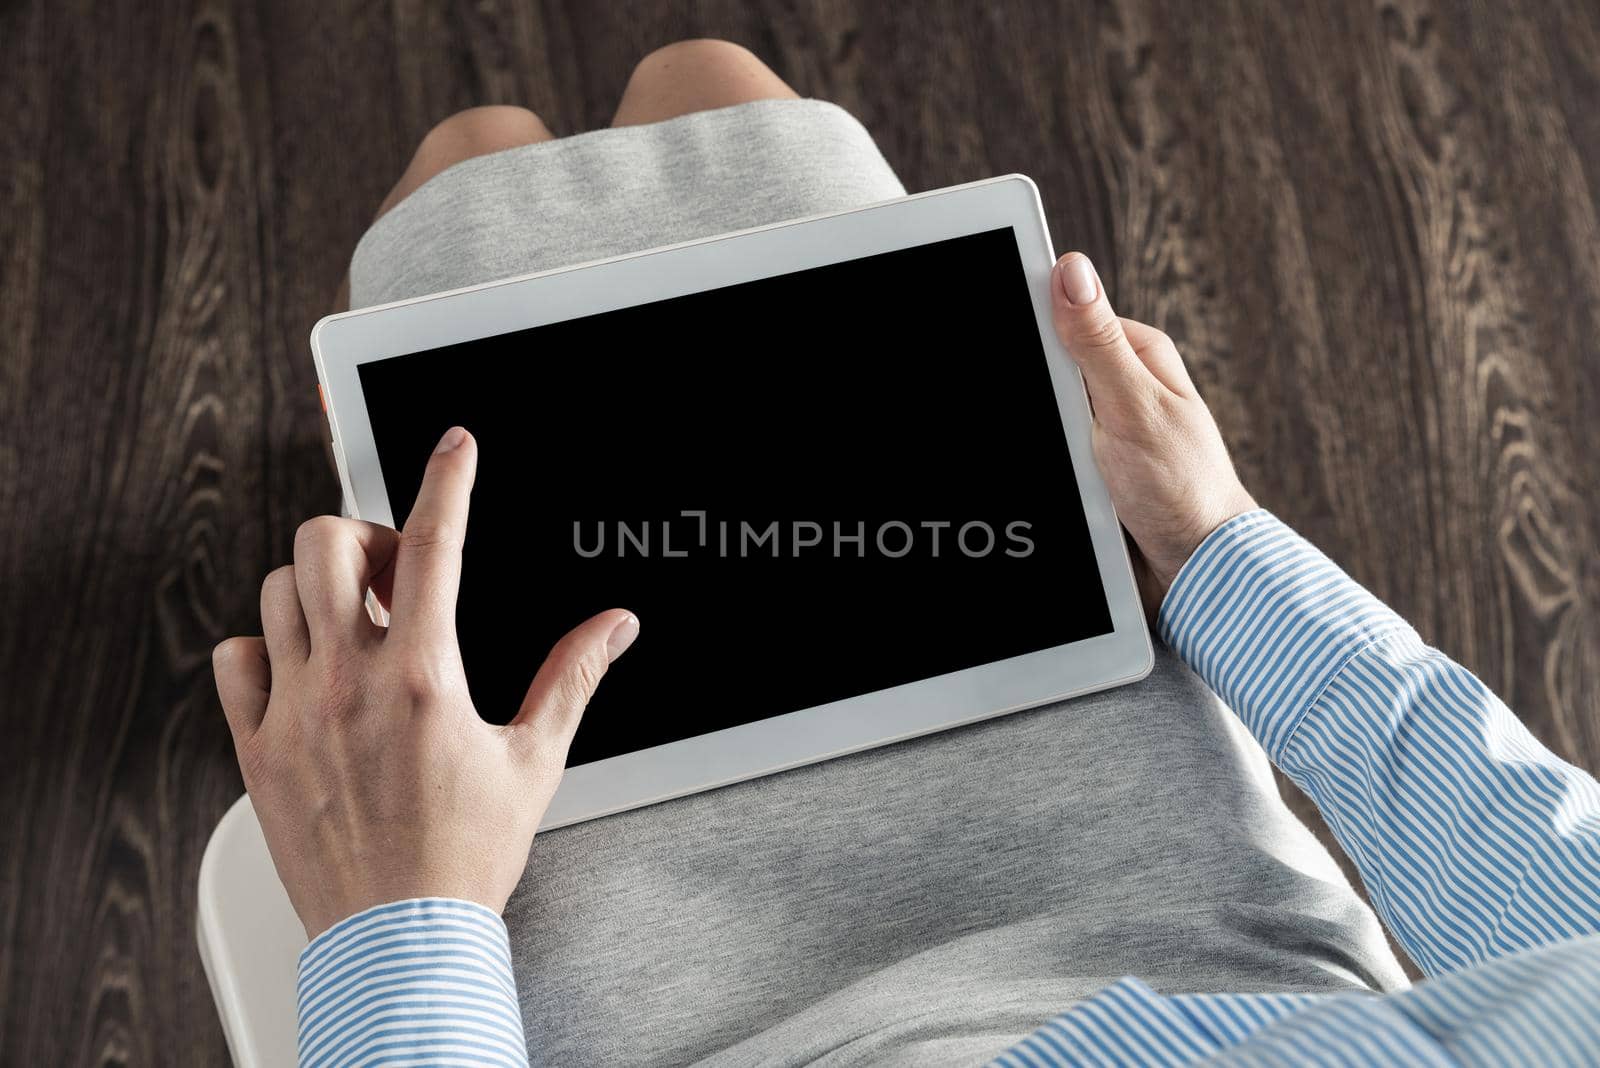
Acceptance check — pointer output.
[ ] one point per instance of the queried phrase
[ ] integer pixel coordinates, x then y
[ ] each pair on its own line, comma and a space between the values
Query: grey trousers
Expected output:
924, 903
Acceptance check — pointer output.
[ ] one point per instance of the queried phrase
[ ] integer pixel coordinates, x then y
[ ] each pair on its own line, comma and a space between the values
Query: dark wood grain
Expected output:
1371, 227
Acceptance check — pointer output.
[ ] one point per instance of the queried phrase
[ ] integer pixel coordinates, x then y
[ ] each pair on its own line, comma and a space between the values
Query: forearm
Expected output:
1472, 838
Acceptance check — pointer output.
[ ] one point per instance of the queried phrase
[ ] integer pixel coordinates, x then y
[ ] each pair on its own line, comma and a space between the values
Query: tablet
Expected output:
839, 467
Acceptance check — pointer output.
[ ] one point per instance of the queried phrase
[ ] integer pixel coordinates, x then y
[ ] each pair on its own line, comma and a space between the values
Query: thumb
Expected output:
1119, 383
568, 678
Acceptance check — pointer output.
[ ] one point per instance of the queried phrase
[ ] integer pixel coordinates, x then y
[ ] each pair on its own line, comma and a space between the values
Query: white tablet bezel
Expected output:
341, 343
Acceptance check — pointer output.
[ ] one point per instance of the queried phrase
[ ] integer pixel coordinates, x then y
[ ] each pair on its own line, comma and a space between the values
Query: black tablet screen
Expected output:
808, 488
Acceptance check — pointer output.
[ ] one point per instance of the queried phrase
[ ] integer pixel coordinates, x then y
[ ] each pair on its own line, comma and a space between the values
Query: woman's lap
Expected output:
944, 894
982, 877
619, 190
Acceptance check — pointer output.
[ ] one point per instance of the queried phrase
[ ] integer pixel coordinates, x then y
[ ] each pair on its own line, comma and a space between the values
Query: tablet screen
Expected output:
808, 487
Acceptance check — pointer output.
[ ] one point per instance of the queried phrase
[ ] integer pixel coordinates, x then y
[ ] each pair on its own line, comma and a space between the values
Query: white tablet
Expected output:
840, 468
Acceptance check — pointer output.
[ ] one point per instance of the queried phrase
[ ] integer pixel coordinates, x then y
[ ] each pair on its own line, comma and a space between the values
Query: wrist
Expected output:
323, 915
1179, 548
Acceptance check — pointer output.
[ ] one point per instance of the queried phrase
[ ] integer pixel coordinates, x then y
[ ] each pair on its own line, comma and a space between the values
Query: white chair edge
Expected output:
250, 941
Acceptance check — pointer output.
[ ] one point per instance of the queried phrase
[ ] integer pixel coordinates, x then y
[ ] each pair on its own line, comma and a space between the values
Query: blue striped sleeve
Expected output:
421, 981
1474, 841
1534, 1009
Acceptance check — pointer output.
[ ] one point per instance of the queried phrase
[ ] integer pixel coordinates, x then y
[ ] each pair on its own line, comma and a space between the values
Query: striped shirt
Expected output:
1479, 848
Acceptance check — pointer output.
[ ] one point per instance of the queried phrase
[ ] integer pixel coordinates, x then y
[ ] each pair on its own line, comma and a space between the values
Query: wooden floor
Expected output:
1372, 228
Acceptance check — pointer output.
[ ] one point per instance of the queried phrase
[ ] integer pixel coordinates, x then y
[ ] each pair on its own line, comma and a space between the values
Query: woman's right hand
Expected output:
373, 776
1154, 439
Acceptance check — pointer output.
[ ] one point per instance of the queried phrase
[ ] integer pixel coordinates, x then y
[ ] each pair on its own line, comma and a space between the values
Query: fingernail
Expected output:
452, 439
622, 636
1078, 280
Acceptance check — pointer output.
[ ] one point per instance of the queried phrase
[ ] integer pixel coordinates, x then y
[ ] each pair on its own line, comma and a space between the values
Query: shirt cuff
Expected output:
429, 977
1268, 621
